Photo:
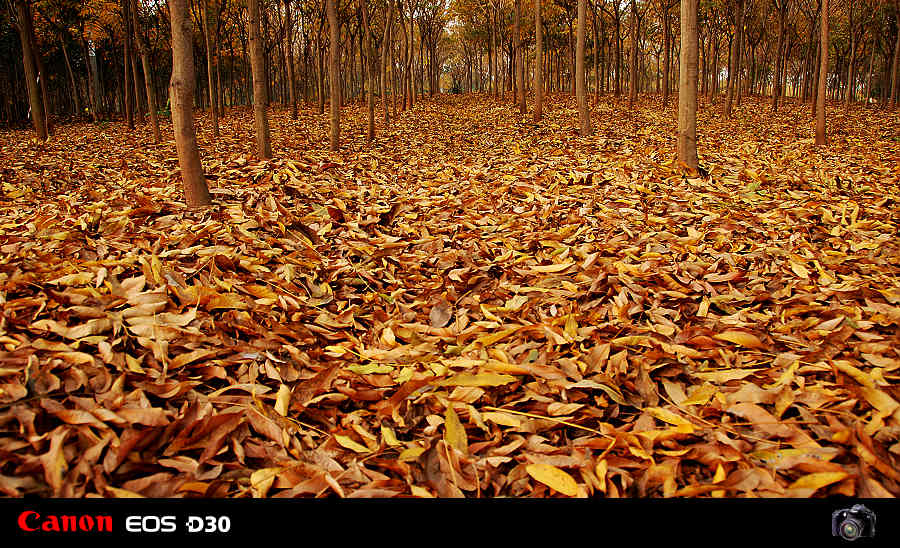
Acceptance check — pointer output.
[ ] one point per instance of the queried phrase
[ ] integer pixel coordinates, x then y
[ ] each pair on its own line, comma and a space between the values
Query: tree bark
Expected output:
687, 86
181, 92
519, 58
632, 85
895, 66
734, 73
127, 78
257, 66
538, 60
26, 29
209, 69
823, 77
370, 58
779, 53
292, 80
385, 59
76, 95
148, 75
584, 116
334, 76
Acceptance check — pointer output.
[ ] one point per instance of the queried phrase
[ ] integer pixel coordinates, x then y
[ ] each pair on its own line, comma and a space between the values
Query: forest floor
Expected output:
471, 306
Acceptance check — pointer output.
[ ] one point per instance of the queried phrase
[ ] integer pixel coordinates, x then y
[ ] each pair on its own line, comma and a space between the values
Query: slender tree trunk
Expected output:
667, 52
181, 92
632, 86
687, 87
334, 76
148, 75
292, 80
519, 58
823, 77
126, 80
385, 59
538, 60
76, 95
584, 115
895, 68
851, 73
734, 73
38, 117
870, 72
370, 58
260, 99
209, 69
779, 53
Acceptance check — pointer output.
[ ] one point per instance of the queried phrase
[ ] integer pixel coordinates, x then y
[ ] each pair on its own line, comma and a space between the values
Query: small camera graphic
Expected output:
853, 523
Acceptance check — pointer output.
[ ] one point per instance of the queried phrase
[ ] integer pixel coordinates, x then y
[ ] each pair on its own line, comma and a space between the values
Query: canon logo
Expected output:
31, 521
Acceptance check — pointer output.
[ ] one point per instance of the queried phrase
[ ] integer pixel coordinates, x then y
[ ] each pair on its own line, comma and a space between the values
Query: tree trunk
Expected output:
823, 77
687, 86
26, 29
76, 95
148, 75
519, 58
181, 93
632, 86
292, 80
584, 116
209, 69
334, 76
538, 60
779, 53
895, 66
257, 66
385, 59
370, 58
735, 71
126, 80
667, 47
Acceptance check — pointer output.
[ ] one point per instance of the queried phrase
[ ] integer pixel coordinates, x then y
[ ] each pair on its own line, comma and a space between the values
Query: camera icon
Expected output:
853, 523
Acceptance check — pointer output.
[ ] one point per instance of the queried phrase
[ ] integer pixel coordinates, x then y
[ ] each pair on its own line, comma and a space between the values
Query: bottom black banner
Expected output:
694, 522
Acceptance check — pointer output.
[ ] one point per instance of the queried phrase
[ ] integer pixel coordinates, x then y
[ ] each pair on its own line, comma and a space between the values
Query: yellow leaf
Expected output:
667, 416
123, 493
488, 340
700, 395
420, 492
261, 480
552, 267
455, 432
740, 337
800, 270
720, 474
503, 419
347, 442
818, 480
411, 454
283, 400
480, 379
600, 472
554, 478
388, 436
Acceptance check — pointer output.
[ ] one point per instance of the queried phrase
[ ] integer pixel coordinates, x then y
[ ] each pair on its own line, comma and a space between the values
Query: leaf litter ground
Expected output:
473, 306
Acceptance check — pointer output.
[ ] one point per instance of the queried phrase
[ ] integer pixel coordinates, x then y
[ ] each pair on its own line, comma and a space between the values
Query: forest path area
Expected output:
472, 305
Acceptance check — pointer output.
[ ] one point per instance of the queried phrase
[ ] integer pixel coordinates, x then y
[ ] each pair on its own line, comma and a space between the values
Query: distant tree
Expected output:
823, 76
26, 31
538, 63
181, 94
584, 116
334, 75
687, 86
258, 67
